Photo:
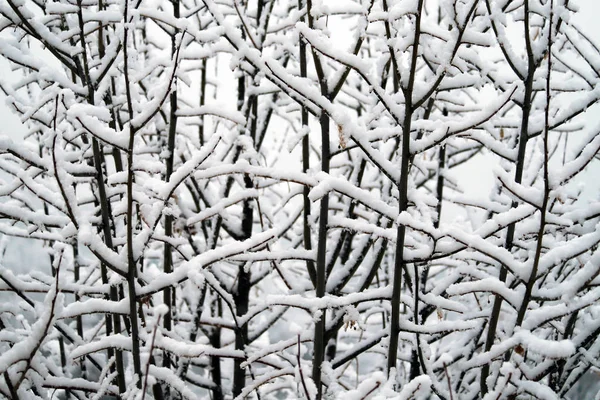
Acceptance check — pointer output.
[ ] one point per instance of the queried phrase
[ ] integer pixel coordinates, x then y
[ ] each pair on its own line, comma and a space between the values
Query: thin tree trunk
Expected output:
131, 262
169, 292
399, 263
520, 164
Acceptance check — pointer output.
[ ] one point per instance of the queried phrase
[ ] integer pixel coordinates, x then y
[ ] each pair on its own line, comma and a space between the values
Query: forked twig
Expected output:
300, 371
449, 382
150, 356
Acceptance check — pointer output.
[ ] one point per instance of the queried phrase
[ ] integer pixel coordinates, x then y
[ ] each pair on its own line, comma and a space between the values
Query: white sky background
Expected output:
478, 171
9, 122
475, 177
479, 180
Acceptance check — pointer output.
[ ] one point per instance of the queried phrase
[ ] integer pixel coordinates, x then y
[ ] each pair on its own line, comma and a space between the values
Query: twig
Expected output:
150, 357
300, 371
448, 379
37, 346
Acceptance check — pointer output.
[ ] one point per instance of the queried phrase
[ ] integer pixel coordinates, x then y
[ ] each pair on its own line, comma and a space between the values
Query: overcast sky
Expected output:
586, 18
480, 180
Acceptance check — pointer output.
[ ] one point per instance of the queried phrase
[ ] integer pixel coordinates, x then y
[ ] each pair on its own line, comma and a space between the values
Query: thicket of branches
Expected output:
259, 198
